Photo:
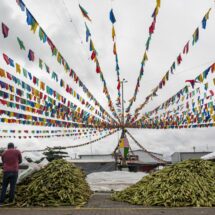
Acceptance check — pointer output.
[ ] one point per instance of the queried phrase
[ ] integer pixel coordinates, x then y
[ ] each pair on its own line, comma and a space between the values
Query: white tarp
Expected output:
209, 156
32, 167
115, 180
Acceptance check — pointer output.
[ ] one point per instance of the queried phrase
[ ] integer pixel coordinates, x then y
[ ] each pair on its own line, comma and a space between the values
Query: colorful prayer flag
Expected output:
113, 33
21, 4
114, 49
195, 36
21, 44
112, 17
31, 55
88, 34
5, 30
84, 13
6, 58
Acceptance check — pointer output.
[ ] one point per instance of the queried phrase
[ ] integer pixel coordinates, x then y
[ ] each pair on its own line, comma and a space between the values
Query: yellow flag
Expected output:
200, 78
113, 33
145, 57
34, 27
2, 73
158, 3
18, 69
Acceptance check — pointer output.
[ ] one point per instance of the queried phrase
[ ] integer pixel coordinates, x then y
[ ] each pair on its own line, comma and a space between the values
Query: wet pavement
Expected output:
100, 204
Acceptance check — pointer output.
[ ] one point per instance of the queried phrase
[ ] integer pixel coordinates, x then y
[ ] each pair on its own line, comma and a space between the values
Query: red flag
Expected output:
152, 27
98, 70
186, 48
84, 12
31, 55
93, 55
6, 58
5, 30
213, 68
179, 59
192, 82
118, 86
211, 92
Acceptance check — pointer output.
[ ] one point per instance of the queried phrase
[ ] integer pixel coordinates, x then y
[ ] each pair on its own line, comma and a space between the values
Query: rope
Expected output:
76, 146
145, 150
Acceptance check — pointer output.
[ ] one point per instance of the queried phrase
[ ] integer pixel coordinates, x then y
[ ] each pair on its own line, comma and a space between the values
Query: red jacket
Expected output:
11, 159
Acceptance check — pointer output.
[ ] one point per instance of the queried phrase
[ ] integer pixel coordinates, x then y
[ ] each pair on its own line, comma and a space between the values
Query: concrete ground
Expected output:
100, 204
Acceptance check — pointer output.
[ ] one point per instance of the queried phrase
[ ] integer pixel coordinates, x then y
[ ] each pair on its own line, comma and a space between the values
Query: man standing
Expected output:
10, 159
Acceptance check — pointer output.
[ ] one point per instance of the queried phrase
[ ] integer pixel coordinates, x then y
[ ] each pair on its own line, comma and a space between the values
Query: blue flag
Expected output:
112, 17
204, 22
30, 18
88, 34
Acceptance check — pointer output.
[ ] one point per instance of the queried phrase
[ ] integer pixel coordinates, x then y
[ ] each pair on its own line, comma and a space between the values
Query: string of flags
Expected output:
70, 109
195, 111
177, 62
117, 68
75, 132
193, 106
58, 56
94, 58
54, 76
78, 145
62, 82
10, 134
144, 59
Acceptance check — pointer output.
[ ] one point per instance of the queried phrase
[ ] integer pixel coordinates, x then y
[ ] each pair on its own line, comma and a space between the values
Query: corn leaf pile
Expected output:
188, 183
59, 183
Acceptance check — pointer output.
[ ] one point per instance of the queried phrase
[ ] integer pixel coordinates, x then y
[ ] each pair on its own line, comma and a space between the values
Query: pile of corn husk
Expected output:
188, 183
58, 183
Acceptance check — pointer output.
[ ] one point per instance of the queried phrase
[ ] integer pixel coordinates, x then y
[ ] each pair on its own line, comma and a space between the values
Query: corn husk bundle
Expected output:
188, 183
58, 183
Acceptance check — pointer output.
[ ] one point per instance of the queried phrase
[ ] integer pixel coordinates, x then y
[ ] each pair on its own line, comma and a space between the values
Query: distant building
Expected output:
95, 162
181, 156
145, 163
106, 162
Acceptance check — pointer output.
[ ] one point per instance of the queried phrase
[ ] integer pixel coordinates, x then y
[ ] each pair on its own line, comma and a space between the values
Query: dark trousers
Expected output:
8, 178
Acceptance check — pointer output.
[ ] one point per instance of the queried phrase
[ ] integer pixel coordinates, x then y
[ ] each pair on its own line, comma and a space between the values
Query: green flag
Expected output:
21, 44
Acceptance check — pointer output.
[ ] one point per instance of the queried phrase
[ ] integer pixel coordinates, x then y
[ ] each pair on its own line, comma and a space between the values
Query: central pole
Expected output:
123, 104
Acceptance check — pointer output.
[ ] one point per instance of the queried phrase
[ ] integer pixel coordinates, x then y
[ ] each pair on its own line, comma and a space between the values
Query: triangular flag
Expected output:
91, 46
34, 26
113, 33
186, 48
114, 49
31, 55
179, 59
21, 4
21, 44
213, 68
195, 36
158, 3
84, 13
112, 17
145, 57
6, 58
118, 85
98, 69
5, 30
88, 34
40, 64
18, 69
93, 55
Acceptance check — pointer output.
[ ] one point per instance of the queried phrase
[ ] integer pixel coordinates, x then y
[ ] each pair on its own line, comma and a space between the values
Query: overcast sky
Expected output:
64, 24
